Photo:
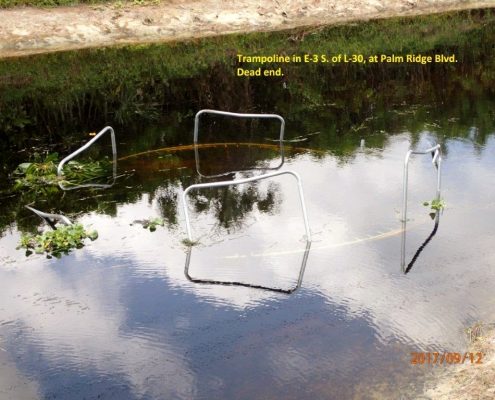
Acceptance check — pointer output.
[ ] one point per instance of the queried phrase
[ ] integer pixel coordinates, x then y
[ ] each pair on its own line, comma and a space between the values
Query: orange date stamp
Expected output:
433, 358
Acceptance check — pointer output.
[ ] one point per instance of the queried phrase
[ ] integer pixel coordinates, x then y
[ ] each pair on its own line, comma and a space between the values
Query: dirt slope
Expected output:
25, 31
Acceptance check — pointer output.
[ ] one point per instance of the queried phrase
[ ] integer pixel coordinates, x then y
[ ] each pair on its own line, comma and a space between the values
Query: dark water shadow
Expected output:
246, 284
406, 269
262, 169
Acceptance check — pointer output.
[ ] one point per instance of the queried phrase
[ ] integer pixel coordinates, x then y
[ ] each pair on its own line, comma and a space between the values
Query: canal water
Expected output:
130, 316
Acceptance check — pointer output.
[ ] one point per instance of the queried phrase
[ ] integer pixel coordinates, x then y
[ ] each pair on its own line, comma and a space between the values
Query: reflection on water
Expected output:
251, 285
119, 320
406, 269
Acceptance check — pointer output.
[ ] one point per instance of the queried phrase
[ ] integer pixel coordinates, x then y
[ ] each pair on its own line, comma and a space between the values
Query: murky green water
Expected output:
119, 319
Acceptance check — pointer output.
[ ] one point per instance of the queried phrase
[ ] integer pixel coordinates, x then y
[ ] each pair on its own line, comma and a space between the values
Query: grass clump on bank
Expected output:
44, 3
63, 91
60, 3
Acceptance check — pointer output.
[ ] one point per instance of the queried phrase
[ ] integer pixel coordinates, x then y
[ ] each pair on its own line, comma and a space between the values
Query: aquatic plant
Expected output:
41, 174
435, 204
77, 172
56, 242
153, 223
150, 224
189, 243
38, 175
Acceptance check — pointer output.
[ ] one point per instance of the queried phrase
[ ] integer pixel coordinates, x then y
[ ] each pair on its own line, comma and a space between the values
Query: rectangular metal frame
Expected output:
236, 115
239, 182
435, 151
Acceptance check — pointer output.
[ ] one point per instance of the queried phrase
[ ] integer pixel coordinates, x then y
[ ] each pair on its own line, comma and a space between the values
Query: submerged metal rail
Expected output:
51, 218
239, 182
237, 115
435, 151
85, 147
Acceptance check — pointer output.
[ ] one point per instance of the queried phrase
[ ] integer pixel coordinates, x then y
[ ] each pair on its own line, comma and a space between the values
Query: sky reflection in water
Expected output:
119, 318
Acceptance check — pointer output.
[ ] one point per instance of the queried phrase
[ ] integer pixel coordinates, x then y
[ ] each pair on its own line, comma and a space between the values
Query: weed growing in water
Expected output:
153, 223
435, 204
190, 243
150, 224
56, 242
40, 176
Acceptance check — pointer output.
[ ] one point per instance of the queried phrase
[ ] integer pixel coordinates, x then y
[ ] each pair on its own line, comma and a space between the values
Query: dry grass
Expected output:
469, 381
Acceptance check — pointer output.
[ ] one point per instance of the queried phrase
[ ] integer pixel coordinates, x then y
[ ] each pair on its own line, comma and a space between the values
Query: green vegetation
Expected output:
153, 92
190, 243
151, 223
56, 242
54, 94
40, 3
80, 172
40, 176
55, 3
435, 204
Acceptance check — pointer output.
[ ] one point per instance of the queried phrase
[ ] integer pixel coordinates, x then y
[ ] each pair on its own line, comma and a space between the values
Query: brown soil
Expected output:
468, 381
25, 31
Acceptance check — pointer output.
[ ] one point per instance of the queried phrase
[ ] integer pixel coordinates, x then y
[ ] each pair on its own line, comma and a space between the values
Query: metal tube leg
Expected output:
241, 181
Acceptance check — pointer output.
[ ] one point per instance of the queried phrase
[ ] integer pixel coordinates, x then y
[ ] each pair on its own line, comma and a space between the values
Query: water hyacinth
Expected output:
41, 176
57, 242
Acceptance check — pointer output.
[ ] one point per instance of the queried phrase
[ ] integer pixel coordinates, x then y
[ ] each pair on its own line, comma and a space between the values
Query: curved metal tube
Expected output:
49, 217
239, 182
236, 115
84, 147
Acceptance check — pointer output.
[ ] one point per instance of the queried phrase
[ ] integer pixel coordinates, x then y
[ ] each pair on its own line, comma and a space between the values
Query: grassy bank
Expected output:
66, 91
57, 3
50, 102
45, 3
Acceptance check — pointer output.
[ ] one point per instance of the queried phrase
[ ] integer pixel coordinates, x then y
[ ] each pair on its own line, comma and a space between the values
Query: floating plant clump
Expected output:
189, 243
435, 204
57, 242
150, 224
41, 175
